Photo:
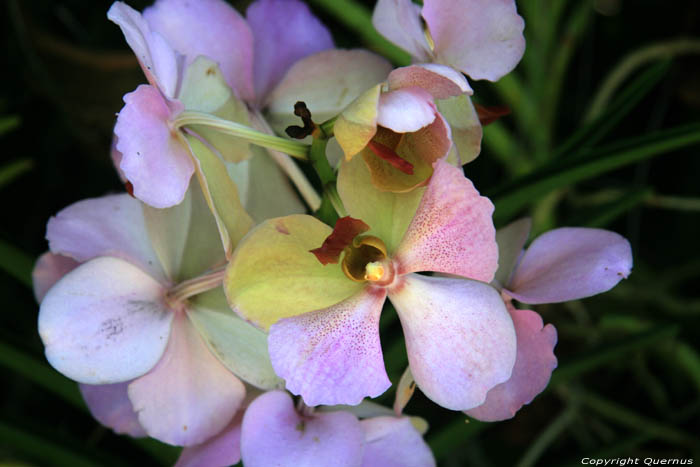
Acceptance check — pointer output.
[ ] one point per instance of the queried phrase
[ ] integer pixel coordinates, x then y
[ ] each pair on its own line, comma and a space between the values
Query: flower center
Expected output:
366, 260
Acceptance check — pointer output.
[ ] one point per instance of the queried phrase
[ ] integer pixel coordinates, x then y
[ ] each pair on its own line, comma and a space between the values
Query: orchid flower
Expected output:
324, 319
275, 432
131, 308
481, 38
560, 265
396, 127
201, 57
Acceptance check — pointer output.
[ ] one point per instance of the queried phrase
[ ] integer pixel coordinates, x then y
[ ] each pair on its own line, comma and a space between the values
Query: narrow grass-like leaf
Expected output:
596, 358
589, 134
14, 169
443, 441
513, 196
9, 123
604, 214
630, 419
42, 449
16, 263
41, 374
548, 436
689, 359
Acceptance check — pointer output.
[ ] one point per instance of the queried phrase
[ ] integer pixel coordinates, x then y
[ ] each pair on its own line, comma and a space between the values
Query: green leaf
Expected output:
629, 418
42, 449
9, 123
41, 374
442, 442
625, 102
511, 197
16, 263
602, 215
14, 169
689, 359
548, 436
358, 18
596, 358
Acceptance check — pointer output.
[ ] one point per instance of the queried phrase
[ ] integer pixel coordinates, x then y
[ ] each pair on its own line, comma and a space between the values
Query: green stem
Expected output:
197, 285
293, 148
319, 161
358, 19
292, 170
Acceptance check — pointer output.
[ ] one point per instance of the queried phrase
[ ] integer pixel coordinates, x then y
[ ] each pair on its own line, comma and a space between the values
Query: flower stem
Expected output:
288, 166
196, 286
293, 148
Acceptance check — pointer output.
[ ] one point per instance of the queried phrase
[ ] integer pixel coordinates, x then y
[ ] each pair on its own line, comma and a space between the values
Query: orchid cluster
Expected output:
186, 307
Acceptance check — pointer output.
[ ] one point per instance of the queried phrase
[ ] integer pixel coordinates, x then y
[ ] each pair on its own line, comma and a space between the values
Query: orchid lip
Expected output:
366, 260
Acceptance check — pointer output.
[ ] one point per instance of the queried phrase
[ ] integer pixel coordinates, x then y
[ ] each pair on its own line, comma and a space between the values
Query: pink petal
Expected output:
332, 356
159, 62
439, 80
111, 406
459, 338
511, 240
482, 38
285, 31
155, 158
571, 263
534, 364
222, 450
189, 396
394, 442
211, 28
105, 322
108, 226
452, 231
274, 434
399, 21
48, 269
406, 110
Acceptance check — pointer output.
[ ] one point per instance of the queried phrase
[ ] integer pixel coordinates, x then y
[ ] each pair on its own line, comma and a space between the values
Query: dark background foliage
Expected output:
629, 368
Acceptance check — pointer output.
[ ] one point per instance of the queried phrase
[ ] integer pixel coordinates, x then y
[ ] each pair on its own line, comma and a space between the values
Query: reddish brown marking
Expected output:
281, 228
389, 155
129, 188
345, 231
490, 114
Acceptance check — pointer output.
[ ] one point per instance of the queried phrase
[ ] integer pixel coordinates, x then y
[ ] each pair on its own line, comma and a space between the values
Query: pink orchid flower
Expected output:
560, 265
396, 127
118, 315
274, 432
201, 56
324, 320
481, 38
